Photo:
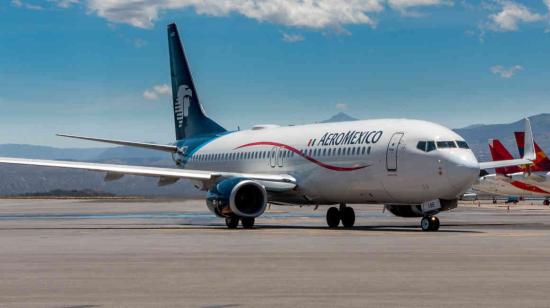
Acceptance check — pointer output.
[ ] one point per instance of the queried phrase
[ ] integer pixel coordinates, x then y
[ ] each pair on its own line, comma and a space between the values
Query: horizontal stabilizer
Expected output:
150, 146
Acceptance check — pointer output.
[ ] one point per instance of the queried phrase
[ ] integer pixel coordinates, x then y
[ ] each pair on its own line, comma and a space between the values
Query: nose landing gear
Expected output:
429, 223
345, 214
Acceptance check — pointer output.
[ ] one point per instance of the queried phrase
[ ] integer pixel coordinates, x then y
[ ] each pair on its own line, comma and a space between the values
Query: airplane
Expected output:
415, 168
516, 180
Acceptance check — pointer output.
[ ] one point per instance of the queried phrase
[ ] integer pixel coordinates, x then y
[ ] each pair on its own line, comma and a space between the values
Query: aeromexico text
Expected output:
349, 137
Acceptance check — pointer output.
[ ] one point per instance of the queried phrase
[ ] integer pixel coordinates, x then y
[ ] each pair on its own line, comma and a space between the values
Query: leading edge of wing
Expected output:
200, 175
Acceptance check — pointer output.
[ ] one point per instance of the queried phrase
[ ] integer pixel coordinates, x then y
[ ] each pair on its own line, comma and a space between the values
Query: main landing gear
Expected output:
429, 223
546, 202
345, 214
233, 222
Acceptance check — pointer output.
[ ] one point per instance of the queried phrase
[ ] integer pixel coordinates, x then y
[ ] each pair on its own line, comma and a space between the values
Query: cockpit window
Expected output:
421, 146
426, 146
430, 146
462, 144
446, 144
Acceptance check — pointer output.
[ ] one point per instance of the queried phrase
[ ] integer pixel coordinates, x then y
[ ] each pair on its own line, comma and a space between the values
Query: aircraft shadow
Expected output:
379, 228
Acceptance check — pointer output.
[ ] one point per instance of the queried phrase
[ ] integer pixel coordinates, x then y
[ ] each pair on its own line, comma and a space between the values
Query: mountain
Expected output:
478, 135
339, 117
43, 152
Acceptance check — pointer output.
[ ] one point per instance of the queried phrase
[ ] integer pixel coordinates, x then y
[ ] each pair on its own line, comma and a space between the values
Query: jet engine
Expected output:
416, 210
237, 196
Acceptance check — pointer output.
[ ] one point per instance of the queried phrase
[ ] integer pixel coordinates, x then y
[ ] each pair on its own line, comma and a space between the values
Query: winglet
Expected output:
529, 152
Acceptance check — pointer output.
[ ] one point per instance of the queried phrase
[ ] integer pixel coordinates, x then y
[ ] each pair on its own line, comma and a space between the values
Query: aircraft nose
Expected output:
462, 169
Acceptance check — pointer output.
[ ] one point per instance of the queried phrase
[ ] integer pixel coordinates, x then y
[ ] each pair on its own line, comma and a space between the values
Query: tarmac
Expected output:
173, 253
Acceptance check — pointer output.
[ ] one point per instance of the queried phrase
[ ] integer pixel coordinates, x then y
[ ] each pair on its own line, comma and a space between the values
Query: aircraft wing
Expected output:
272, 182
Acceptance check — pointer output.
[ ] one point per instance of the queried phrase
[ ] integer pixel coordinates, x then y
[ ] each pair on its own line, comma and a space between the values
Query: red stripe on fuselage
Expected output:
298, 152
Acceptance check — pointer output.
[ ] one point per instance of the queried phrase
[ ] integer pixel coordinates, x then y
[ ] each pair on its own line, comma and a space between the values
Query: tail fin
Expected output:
541, 163
190, 119
499, 152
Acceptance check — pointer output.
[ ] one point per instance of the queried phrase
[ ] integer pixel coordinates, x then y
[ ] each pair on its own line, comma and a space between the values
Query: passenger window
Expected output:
421, 146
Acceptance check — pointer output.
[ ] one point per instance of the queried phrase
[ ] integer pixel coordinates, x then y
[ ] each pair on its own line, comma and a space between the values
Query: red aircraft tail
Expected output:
499, 152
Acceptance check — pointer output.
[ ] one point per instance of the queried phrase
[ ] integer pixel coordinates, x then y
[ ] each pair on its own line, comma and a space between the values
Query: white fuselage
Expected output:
371, 161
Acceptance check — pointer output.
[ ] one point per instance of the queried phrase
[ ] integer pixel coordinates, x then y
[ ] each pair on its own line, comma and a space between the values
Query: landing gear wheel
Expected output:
436, 223
429, 223
546, 202
232, 222
248, 223
348, 217
333, 217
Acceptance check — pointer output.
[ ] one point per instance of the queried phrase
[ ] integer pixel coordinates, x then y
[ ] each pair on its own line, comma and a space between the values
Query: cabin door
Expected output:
391, 154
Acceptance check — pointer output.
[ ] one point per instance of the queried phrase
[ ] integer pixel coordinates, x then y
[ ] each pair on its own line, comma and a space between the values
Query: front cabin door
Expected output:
391, 154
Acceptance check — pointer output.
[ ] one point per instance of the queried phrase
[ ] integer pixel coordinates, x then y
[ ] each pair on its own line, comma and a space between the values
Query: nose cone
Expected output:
462, 169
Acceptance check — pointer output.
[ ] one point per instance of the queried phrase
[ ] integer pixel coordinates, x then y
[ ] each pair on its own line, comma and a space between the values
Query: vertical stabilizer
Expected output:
189, 116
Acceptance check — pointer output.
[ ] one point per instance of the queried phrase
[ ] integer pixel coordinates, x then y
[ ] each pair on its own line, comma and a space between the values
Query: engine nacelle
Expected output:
237, 196
416, 210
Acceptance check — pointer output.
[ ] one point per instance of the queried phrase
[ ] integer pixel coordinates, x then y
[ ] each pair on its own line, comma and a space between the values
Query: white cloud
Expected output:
150, 95
156, 91
511, 15
316, 14
342, 106
64, 3
313, 14
504, 72
404, 6
292, 38
26, 5
139, 42
163, 89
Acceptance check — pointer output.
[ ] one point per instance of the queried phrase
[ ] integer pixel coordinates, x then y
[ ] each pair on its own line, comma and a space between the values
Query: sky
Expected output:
100, 68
